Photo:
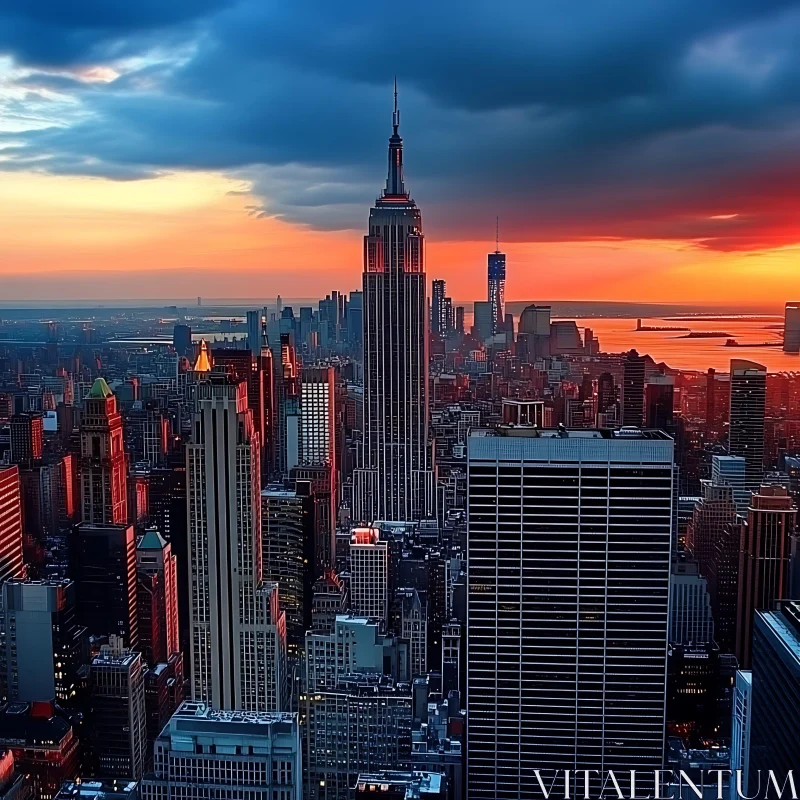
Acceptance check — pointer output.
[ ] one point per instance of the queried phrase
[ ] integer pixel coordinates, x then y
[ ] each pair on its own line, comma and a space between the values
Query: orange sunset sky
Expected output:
232, 148
179, 235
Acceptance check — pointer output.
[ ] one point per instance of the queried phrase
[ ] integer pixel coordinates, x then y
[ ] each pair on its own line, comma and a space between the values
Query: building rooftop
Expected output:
152, 540
199, 719
97, 790
100, 390
562, 432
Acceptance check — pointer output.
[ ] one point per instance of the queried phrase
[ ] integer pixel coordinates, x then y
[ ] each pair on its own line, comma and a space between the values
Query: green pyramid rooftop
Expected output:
99, 390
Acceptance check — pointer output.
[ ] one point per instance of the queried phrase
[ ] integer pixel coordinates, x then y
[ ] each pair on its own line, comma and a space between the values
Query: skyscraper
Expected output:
317, 417
438, 312
182, 340
633, 390
103, 465
369, 573
791, 328
27, 439
394, 480
496, 274
104, 567
747, 411
11, 565
288, 557
764, 561
568, 547
154, 559
224, 514
775, 696
118, 723
45, 647
659, 393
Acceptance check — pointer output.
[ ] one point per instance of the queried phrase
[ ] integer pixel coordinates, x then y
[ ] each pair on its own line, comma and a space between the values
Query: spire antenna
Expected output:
396, 113
497, 234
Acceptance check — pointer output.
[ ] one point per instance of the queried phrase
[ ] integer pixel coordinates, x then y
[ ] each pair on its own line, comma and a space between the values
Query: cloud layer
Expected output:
662, 119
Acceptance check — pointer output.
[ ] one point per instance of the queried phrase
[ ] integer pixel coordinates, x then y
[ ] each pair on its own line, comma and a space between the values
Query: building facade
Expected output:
568, 548
394, 479
208, 753
224, 511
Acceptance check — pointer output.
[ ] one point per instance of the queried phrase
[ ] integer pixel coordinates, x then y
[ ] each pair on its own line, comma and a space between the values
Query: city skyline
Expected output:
638, 158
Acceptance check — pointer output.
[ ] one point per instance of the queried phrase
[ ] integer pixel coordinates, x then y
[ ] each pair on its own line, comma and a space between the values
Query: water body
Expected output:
672, 347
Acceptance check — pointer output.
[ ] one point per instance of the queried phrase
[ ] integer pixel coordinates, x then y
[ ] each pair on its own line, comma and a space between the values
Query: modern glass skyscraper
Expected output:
568, 548
497, 288
394, 480
747, 411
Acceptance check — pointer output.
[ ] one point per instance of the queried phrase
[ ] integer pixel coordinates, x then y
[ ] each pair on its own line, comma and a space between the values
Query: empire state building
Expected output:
394, 480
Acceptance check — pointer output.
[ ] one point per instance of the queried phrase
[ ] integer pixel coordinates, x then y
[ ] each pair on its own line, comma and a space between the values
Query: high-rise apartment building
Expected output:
394, 479
765, 555
228, 626
369, 573
104, 568
633, 370
568, 548
747, 410
103, 466
117, 720
204, 752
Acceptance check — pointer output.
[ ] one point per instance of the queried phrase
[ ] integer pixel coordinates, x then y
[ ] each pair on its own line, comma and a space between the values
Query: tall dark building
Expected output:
117, 718
568, 542
104, 570
747, 411
438, 310
633, 390
288, 553
496, 294
764, 561
659, 398
394, 480
182, 341
606, 392
775, 720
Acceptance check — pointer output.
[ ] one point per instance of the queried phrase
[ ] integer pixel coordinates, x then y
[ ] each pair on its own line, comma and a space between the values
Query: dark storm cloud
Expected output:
570, 119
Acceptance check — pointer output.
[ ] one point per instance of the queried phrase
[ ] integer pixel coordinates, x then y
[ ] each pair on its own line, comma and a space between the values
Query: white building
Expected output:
317, 432
568, 548
231, 631
369, 573
237, 755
